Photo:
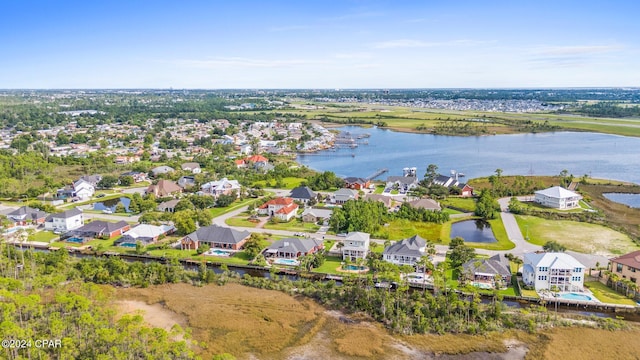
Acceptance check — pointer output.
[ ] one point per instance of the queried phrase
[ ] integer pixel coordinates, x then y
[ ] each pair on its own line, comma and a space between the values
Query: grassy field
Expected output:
293, 225
465, 204
617, 215
401, 229
215, 212
330, 266
241, 220
606, 294
289, 182
44, 236
586, 344
577, 236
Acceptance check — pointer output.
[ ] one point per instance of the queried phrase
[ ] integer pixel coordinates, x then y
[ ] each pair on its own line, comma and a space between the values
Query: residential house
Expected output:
453, 181
494, 271
99, 229
302, 194
220, 187
215, 237
427, 204
405, 252
161, 170
193, 167
293, 248
402, 183
168, 206
281, 208
186, 181
356, 246
553, 271
356, 183
343, 195
627, 266
164, 188
92, 179
313, 215
386, 200
80, 189
558, 197
64, 221
26, 216
145, 234
137, 176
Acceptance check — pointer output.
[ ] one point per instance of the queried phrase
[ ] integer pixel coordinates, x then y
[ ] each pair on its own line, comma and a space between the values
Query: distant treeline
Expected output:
608, 109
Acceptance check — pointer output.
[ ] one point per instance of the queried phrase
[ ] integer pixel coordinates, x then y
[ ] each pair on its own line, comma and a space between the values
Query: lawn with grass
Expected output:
330, 266
43, 236
607, 295
293, 225
399, 229
93, 243
460, 203
215, 212
451, 211
287, 182
242, 220
577, 236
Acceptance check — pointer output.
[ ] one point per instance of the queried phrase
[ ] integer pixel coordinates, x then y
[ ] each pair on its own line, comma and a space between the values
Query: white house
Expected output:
282, 208
193, 167
64, 221
220, 187
405, 252
83, 189
558, 198
356, 246
553, 270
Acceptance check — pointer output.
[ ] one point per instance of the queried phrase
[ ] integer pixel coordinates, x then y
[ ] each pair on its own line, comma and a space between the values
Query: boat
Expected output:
107, 211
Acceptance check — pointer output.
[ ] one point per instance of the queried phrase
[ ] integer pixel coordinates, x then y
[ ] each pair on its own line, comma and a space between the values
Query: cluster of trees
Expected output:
359, 215
409, 212
513, 186
608, 109
324, 181
487, 206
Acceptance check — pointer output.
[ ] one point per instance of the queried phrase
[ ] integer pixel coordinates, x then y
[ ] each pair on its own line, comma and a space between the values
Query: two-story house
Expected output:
223, 186
405, 252
551, 271
356, 246
64, 221
558, 198
627, 266
282, 208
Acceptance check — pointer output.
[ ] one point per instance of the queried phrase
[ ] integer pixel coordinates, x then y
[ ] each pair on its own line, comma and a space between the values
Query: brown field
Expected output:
617, 215
265, 324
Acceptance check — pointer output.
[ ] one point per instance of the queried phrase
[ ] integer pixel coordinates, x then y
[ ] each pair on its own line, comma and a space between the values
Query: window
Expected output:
633, 280
619, 268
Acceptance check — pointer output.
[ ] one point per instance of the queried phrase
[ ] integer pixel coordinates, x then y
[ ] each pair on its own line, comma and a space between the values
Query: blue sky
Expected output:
318, 44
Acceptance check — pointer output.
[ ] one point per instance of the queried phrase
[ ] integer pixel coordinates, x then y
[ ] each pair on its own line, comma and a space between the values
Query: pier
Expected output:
376, 174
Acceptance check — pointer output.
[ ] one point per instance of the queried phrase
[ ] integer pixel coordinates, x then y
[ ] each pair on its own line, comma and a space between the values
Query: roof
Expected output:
288, 209
302, 192
190, 166
403, 179
552, 260
428, 204
218, 234
408, 247
358, 236
378, 197
319, 213
491, 266
162, 169
102, 227
295, 245
284, 201
92, 179
355, 180
256, 158
557, 192
631, 259
66, 214
164, 187
346, 192
27, 212
148, 231
168, 204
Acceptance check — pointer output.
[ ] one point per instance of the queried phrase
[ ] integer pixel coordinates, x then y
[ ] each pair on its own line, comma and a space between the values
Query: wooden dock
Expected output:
376, 174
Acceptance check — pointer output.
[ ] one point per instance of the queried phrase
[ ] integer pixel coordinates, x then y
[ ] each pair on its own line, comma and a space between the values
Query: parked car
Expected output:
342, 235
101, 195
107, 211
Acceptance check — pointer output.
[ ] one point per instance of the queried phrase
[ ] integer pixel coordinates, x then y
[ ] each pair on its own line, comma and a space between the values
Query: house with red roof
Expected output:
283, 208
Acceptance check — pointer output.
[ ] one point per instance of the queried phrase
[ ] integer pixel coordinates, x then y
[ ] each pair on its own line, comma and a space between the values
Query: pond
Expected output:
111, 204
476, 231
631, 200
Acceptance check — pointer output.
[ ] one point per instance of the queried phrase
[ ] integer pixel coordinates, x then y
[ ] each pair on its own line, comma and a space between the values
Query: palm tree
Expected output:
614, 278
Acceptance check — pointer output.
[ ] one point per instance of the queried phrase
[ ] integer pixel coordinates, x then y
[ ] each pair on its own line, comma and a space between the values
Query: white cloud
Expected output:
570, 56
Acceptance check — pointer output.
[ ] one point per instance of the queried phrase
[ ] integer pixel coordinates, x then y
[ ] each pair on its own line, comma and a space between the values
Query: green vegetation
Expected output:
241, 220
293, 225
284, 183
459, 203
330, 266
402, 228
607, 295
43, 236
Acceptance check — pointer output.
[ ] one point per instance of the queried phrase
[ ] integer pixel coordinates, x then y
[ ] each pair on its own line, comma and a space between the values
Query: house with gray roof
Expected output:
26, 215
494, 272
343, 195
64, 221
159, 170
401, 183
427, 204
215, 236
98, 229
314, 215
302, 194
405, 252
356, 246
168, 206
145, 234
293, 248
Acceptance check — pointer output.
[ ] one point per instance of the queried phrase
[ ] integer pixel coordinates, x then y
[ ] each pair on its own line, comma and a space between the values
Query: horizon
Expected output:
352, 44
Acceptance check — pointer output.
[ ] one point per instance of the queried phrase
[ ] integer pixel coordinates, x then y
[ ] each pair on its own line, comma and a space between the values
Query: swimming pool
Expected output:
482, 286
129, 245
574, 296
218, 252
290, 262
353, 267
76, 240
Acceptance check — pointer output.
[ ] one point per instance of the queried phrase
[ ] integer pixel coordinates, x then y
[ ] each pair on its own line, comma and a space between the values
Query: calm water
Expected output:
477, 231
111, 204
597, 155
632, 200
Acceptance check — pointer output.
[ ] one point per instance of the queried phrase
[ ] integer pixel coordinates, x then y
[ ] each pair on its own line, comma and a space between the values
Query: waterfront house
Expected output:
356, 183
223, 186
492, 272
405, 252
627, 266
215, 236
341, 196
164, 188
313, 215
80, 189
356, 246
293, 248
452, 182
302, 194
99, 229
25, 216
386, 200
282, 208
64, 221
145, 234
553, 271
192, 167
558, 197
402, 183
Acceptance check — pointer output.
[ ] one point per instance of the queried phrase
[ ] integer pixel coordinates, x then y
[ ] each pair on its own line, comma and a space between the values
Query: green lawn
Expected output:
330, 266
240, 221
293, 225
215, 212
466, 204
44, 236
606, 294
451, 211
401, 229
289, 182
93, 243
527, 293
577, 236
379, 189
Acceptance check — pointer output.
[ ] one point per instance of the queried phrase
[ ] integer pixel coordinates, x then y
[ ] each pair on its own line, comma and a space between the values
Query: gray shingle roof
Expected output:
410, 246
65, 214
218, 234
496, 264
302, 192
31, 213
295, 245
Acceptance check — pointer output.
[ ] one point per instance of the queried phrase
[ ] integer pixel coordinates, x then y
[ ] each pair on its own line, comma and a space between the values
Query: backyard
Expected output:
606, 294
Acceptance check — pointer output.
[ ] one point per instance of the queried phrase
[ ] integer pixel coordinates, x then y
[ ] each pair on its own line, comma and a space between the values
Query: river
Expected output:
597, 155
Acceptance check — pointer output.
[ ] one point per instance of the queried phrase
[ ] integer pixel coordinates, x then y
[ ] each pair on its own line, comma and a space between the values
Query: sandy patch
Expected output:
155, 315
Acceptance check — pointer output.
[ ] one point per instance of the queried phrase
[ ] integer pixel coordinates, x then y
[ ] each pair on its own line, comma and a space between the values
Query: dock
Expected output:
376, 174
